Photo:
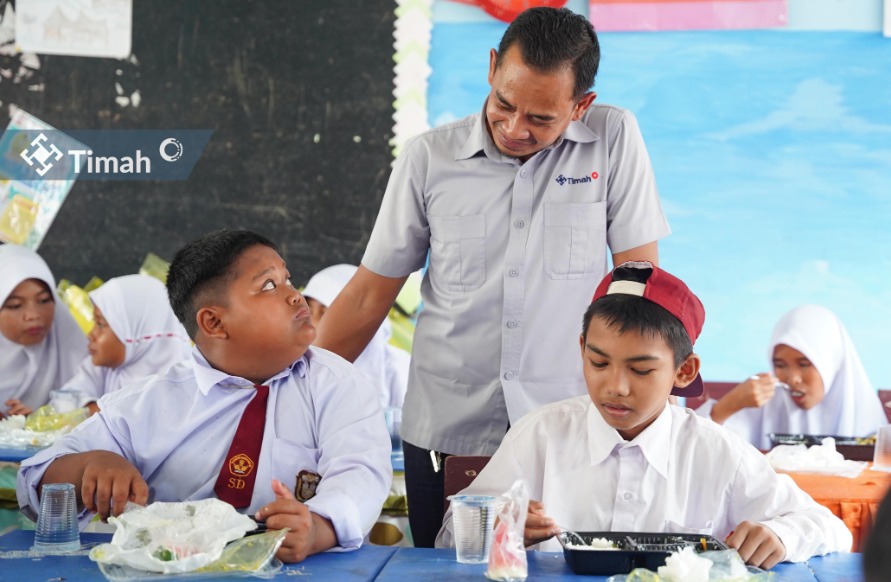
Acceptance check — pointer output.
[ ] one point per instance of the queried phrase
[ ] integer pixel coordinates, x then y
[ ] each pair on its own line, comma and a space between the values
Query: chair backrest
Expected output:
713, 390
885, 397
460, 471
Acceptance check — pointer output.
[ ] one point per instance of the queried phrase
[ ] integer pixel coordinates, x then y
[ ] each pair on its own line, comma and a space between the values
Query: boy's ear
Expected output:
688, 371
210, 322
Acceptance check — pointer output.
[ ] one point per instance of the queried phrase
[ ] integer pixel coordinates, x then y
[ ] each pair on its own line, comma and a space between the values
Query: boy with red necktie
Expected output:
290, 434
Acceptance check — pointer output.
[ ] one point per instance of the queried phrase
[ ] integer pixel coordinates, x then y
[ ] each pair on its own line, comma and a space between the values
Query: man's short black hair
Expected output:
202, 270
625, 312
550, 39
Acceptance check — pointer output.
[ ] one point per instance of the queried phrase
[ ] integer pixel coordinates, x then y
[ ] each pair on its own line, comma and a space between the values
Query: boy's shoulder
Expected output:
562, 416
327, 368
321, 359
704, 436
178, 379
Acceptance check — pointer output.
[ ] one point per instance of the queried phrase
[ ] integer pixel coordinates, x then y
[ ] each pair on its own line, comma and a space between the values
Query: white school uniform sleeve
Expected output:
91, 435
354, 461
503, 469
805, 527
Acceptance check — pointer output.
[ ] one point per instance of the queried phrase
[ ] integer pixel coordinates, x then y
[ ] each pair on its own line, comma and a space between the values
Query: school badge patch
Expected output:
307, 483
241, 465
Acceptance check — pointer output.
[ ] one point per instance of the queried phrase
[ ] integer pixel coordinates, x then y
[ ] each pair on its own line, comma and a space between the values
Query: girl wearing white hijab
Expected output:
386, 365
136, 335
40, 343
829, 392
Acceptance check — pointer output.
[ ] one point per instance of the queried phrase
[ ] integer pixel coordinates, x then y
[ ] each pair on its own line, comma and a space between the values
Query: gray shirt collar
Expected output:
479, 139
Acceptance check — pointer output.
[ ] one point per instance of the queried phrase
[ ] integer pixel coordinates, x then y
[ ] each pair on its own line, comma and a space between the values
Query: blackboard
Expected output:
299, 96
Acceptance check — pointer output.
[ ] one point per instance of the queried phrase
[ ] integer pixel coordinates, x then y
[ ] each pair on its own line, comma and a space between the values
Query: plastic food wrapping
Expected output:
688, 566
39, 429
46, 419
175, 537
507, 557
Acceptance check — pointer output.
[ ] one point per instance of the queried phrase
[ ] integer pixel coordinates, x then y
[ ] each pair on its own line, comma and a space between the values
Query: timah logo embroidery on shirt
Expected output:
561, 179
241, 465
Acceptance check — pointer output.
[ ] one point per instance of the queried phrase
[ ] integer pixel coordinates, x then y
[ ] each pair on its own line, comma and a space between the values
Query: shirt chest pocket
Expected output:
290, 460
574, 240
458, 250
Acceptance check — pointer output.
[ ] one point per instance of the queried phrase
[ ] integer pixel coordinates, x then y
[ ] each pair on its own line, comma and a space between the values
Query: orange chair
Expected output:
460, 471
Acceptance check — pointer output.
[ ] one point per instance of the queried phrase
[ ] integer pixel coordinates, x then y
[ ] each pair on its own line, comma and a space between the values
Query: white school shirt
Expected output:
683, 474
516, 251
176, 429
850, 405
29, 373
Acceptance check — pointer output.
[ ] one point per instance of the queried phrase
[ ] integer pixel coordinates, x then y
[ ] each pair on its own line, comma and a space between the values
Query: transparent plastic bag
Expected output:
173, 537
507, 557
685, 566
47, 419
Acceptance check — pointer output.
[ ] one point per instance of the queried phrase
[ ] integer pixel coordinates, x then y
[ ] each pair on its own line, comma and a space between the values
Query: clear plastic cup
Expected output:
881, 460
56, 531
394, 422
473, 517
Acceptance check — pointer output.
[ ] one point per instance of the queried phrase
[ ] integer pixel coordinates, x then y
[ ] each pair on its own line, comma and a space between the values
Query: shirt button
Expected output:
511, 324
513, 272
508, 375
519, 224
522, 173
627, 497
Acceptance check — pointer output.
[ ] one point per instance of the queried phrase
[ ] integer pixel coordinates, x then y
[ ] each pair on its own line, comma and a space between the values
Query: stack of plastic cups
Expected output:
57, 531
473, 517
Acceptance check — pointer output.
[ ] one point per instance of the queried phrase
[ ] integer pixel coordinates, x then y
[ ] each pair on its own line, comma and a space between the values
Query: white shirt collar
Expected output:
207, 376
653, 442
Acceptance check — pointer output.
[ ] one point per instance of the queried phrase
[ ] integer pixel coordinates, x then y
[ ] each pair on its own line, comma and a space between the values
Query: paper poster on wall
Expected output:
85, 28
653, 15
27, 208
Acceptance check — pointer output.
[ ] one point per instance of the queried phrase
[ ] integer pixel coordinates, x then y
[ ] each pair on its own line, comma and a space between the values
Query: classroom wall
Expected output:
299, 98
772, 152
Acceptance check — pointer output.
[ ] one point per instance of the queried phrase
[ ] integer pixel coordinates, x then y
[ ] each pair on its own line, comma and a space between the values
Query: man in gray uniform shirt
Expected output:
516, 206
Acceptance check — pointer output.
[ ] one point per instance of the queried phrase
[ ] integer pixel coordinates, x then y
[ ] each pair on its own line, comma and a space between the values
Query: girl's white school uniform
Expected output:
850, 407
29, 373
138, 311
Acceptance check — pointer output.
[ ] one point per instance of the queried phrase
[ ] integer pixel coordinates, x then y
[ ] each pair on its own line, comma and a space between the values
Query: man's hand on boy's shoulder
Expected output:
539, 527
757, 545
309, 533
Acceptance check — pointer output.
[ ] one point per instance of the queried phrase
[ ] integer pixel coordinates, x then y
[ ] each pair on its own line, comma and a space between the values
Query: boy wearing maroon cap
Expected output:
623, 459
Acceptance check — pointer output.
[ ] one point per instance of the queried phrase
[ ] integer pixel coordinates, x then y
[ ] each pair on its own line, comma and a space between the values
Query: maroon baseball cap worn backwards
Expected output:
643, 279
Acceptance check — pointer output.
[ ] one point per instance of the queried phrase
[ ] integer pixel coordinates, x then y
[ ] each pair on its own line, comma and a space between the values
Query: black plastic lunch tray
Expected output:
851, 448
635, 550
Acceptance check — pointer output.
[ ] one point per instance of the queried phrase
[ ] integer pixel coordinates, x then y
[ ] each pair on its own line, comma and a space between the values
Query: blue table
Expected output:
432, 565
17, 455
837, 567
363, 565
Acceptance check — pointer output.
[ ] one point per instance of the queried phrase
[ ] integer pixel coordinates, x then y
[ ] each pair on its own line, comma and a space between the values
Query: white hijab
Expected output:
138, 311
850, 407
28, 373
386, 365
